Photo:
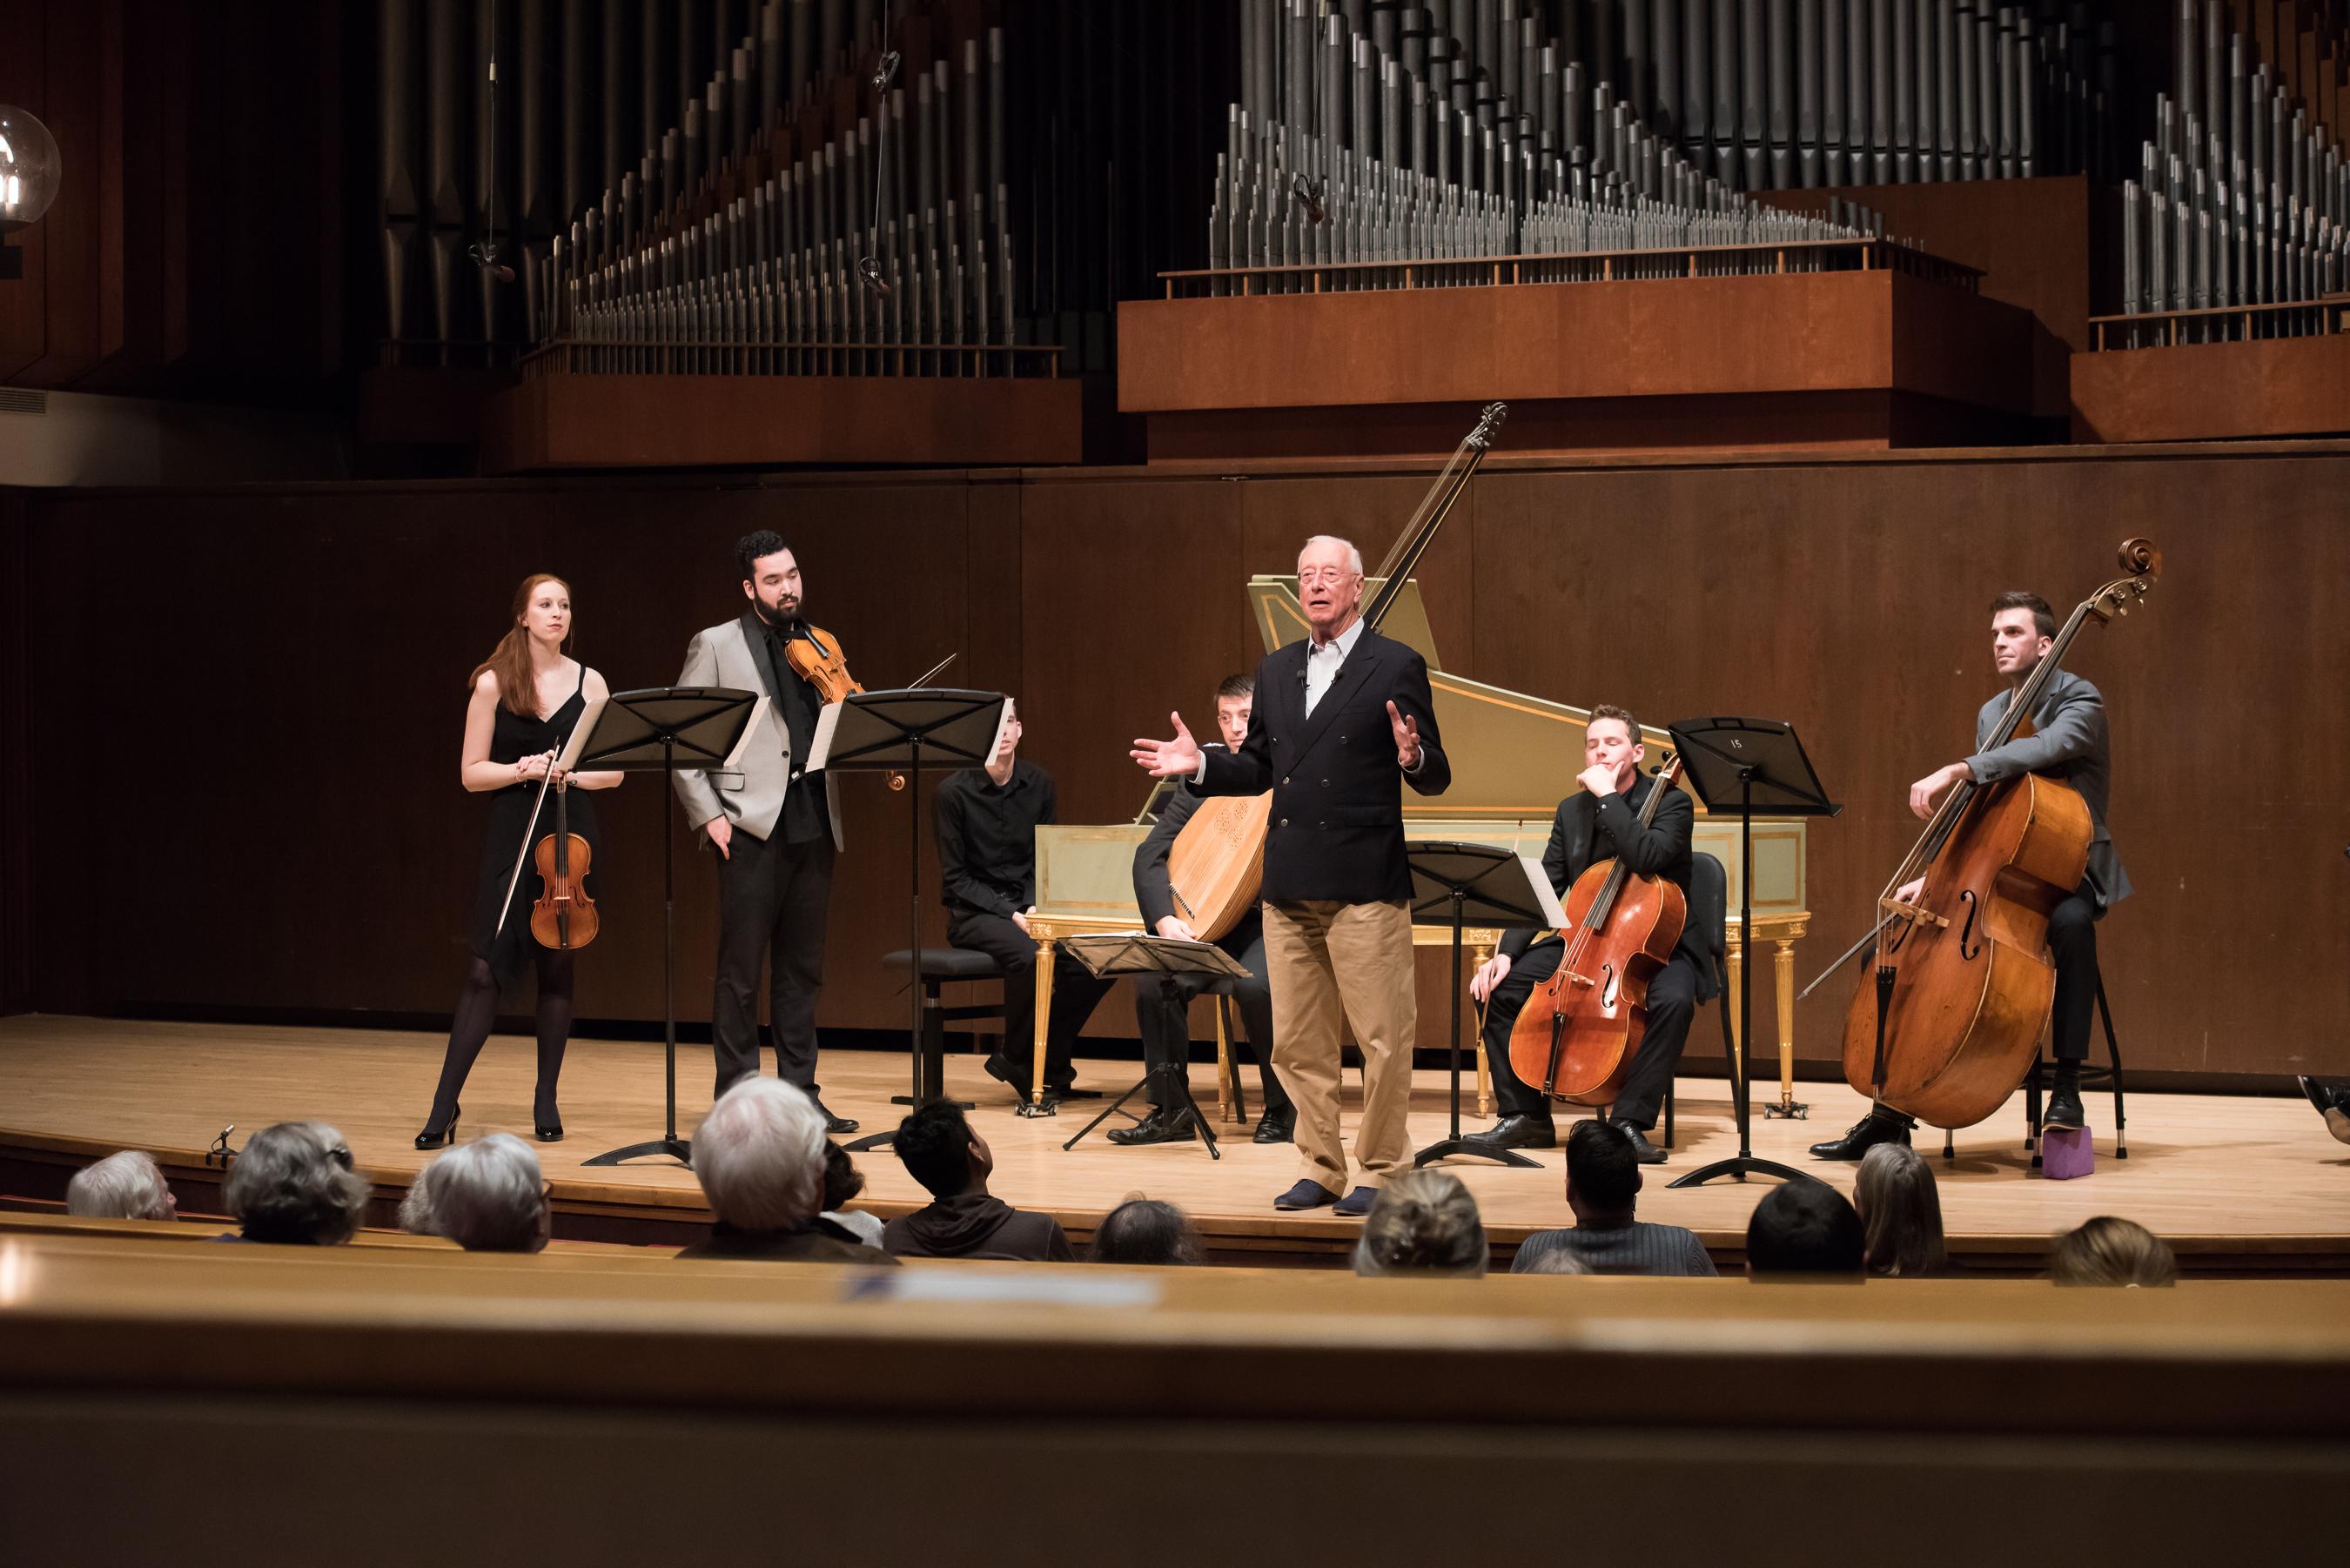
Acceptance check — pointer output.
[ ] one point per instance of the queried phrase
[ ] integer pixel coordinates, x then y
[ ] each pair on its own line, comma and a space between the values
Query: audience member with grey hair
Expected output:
125, 1186
294, 1184
1423, 1223
416, 1203
1556, 1260
488, 1196
760, 1158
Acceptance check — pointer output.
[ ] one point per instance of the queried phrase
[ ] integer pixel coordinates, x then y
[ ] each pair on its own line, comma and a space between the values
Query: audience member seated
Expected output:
1900, 1212
125, 1186
294, 1185
953, 1162
1803, 1227
1603, 1183
759, 1156
1557, 1260
488, 1196
843, 1181
416, 1203
1145, 1230
2110, 1251
1423, 1223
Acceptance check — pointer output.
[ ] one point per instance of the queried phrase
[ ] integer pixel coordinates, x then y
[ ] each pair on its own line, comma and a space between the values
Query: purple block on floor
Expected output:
2067, 1152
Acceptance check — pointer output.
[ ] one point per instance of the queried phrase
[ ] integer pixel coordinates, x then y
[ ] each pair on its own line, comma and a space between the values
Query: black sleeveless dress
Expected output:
517, 736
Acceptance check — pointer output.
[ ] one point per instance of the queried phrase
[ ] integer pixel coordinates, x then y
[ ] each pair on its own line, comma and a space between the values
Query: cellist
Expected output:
2069, 743
1600, 821
776, 828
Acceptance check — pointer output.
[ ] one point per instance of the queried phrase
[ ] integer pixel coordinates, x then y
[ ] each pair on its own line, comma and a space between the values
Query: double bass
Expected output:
1948, 1023
1577, 1035
1217, 862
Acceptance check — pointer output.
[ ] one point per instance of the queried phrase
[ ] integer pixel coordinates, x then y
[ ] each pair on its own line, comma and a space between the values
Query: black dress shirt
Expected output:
987, 837
805, 817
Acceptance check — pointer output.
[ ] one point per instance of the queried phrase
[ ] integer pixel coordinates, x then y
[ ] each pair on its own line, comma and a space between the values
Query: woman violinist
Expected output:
527, 697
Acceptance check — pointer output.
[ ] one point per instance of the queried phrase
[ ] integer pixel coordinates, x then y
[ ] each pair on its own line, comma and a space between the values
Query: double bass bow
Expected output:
1217, 862
1578, 1031
1949, 1022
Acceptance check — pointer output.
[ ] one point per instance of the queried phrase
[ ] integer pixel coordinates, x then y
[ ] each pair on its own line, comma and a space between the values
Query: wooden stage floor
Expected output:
2234, 1182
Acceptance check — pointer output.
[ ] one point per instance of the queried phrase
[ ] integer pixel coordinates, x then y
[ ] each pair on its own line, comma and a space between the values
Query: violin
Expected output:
824, 666
565, 915
816, 657
1950, 1022
1577, 1035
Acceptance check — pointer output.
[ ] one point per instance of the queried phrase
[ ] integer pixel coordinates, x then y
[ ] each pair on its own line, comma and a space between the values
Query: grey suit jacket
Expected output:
750, 798
2071, 746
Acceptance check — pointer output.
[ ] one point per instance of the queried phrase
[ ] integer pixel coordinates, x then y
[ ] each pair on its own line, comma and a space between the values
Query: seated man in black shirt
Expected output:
1601, 822
987, 820
1163, 1009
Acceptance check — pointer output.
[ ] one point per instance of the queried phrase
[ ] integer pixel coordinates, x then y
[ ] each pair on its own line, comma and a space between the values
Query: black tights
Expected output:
477, 1007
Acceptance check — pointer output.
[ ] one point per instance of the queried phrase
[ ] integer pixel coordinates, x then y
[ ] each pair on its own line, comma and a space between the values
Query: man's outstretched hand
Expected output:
1407, 738
1178, 758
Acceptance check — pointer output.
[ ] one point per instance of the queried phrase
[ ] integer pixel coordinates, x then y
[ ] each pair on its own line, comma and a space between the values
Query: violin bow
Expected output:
523, 854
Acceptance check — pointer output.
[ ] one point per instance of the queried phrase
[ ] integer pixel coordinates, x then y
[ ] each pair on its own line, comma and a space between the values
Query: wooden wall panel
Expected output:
242, 790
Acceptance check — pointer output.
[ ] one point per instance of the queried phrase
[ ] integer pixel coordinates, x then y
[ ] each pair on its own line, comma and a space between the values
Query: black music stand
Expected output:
1738, 767
1147, 957
1457, 885
885, 731
662, 730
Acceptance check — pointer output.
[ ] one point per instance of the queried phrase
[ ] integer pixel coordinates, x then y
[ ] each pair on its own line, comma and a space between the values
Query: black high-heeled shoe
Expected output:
549, 1132
443, 1136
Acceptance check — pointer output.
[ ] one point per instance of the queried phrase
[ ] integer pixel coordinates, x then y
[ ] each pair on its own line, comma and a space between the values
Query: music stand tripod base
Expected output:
677, 1148
1178, 1083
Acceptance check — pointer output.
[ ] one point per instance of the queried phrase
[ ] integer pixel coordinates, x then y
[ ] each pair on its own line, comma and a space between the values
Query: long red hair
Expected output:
510, 659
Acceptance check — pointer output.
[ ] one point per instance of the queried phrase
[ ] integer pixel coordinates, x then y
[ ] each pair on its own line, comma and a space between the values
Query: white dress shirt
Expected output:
1322, 662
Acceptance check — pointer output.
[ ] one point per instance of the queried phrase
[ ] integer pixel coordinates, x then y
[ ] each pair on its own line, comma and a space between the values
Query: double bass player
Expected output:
2070, 745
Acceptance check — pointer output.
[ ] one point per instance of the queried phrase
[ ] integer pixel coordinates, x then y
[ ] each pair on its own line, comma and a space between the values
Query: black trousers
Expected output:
772, 902
2073, 945
1164, 1012
1075, 994
1672, 1003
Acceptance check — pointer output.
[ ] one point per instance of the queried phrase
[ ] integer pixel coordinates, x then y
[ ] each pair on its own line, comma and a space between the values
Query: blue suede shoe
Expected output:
1358, 1203
1306, 1195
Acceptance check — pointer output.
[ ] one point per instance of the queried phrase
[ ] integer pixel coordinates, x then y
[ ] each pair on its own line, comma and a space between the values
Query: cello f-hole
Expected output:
1966, 950
1608, 988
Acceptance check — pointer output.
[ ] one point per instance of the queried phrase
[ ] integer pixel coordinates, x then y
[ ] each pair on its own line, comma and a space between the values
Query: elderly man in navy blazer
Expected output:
1341, 717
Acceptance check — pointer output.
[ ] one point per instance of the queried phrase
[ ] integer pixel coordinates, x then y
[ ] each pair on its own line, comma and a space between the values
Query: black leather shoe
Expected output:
1163, 1125
549, 1132
1866, 1134
1003, 1073
1305, 1195
443, 1135
2064, 1106
1643, 1150
833, 1123
1358, 1203
1517, 1132
2333, 1103
1277, 1127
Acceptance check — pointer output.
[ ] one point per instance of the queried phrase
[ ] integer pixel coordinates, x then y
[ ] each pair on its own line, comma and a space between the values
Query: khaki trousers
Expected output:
1328, 962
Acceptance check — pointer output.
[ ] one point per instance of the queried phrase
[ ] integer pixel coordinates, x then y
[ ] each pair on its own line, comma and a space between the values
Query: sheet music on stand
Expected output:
1108, 955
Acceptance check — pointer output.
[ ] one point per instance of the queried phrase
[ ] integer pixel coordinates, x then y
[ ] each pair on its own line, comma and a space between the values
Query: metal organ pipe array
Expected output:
2243, 199
695, 183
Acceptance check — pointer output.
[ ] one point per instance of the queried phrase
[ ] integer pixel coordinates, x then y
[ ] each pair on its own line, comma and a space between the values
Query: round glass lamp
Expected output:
29, 169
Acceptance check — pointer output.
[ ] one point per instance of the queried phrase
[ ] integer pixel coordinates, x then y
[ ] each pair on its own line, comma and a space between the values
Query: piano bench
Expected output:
936, 968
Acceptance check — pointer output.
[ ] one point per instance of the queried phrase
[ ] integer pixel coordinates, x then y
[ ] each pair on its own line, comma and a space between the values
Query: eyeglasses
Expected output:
1318, 576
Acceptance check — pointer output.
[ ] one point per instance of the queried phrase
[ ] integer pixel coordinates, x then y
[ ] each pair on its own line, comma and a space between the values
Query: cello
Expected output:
1217, 862
1577, 1033
1949, 1021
